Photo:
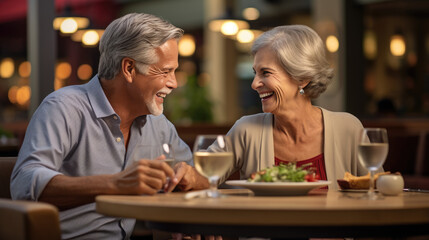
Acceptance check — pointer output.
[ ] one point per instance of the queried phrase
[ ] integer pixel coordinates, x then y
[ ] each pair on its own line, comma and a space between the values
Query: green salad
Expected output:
283, 173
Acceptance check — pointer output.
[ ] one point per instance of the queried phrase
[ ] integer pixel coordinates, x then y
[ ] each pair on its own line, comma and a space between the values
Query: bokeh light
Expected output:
84, 72
63, 70
245, 36
24, 69
90, 38
332, 43
68, 26
229, 28
11, 94
23, 95
7, 68
397, 45
250, 13
370, 45
187, 45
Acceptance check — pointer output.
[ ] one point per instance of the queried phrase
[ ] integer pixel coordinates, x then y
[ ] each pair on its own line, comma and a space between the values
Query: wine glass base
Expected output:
372, 196
213, 194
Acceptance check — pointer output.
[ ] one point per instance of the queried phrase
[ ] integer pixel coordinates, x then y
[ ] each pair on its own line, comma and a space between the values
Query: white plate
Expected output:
278, 188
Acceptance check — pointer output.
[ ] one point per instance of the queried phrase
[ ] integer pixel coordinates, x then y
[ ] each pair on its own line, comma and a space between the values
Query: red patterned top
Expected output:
317, 165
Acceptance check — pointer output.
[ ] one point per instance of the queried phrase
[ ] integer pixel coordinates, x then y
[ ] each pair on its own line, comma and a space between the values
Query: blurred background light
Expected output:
186, 45
229, 28
63, 70
23, 95
69, 25
68, 22
332, 43
90, 38
245, 36
397, 45
87, 36
11, 94
370, 45
24, 69
7, 68
84, 72
250, 13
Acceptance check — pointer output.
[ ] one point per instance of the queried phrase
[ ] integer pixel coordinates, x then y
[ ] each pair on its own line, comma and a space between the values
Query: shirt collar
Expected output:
99, 102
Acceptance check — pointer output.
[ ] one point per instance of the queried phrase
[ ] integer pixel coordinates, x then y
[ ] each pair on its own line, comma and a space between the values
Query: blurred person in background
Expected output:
80, 141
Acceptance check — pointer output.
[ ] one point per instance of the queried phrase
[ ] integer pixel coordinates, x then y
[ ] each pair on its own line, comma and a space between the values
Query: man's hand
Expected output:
143, 177
187, 178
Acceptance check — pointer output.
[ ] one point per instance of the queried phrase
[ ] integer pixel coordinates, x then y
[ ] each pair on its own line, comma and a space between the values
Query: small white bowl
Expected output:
391, 184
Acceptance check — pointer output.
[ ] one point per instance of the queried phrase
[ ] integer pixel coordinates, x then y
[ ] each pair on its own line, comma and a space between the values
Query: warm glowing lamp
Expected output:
7, 68
88, 37
24, 69
229, 28
332, 43
63, 70
11, 94
187, 45
67, 23
250, 13
397, 45
228, 24
23, 95
84, 72
245, 36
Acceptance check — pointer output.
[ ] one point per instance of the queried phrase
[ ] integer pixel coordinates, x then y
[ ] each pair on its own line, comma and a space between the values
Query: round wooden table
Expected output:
322, 213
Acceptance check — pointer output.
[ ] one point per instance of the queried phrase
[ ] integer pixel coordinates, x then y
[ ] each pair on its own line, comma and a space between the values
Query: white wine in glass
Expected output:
212, 159
372, 152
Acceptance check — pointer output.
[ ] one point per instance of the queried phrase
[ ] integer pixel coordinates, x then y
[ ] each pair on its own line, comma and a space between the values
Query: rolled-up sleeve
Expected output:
42, 152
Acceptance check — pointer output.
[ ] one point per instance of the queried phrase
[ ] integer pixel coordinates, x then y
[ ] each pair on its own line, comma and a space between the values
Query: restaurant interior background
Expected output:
378, 48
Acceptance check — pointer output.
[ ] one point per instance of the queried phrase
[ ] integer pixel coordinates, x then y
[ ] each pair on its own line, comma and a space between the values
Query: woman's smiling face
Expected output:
274, 86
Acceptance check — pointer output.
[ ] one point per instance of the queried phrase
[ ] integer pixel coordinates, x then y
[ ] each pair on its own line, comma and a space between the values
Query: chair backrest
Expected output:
6, 167
27, 220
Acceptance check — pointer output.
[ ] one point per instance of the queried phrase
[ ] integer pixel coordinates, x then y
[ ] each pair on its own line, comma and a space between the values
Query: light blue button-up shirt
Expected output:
75, 132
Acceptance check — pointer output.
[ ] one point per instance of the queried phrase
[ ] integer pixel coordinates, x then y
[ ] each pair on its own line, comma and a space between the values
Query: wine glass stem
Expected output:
213, 192
371, 183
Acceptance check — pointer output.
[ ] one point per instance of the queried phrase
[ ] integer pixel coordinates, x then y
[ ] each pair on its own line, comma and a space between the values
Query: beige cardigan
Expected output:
252, 143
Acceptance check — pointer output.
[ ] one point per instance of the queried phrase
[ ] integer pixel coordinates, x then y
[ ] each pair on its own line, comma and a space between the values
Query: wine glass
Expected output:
149, 151
168, 151
372, 152
153, 151
212, 158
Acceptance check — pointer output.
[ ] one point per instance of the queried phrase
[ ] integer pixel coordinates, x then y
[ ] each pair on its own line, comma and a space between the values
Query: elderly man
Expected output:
80, 141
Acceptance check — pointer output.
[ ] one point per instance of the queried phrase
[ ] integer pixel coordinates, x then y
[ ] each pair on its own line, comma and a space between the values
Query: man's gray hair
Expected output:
301, 52
135, 35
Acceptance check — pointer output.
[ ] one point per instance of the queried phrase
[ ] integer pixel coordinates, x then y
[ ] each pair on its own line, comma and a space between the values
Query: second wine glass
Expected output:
372, 152
212, 157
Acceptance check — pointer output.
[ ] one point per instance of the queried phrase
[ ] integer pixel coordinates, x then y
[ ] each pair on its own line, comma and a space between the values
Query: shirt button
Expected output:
115, 117
118, 139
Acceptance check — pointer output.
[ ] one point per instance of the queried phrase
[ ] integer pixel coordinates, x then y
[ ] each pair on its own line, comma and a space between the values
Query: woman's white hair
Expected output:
301, 53
135, 35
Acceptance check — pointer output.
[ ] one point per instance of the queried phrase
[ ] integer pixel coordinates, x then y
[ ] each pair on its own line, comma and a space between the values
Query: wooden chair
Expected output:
27, 220
6, 167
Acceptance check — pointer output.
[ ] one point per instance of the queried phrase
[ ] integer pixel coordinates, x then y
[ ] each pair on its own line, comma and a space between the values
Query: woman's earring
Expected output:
301, 90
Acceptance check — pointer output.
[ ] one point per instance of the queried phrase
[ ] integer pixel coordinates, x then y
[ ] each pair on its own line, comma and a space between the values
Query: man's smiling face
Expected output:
160, 79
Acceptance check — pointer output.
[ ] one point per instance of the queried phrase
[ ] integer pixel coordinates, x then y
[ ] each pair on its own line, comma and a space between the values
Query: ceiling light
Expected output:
68, 23
228, 24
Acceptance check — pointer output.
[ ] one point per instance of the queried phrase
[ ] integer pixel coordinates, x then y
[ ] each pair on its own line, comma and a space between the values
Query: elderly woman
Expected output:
290, 70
